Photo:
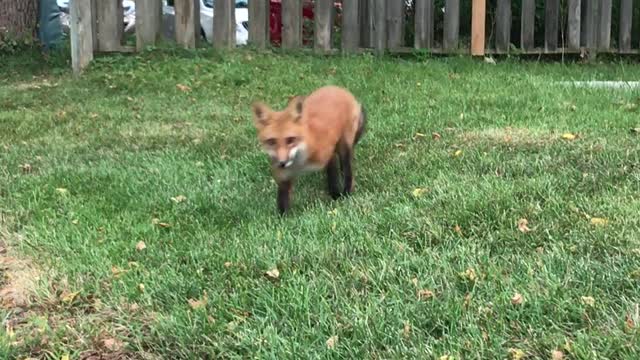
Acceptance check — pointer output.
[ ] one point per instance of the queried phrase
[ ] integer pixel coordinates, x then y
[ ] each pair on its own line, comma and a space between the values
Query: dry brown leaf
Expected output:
557, 355
112, 344
183, 88
141, 246
425, 294
178, 199
523, 226
599, 221
331, 342
93, 115
228, 264
569, 136
436, 136
164, 225
457, 153
62, 191
117, 272
458, 229
588, 300
517, 299
273, 273
419, 135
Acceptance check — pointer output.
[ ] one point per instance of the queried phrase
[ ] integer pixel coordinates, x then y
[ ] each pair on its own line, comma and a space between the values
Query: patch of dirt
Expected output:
509, 136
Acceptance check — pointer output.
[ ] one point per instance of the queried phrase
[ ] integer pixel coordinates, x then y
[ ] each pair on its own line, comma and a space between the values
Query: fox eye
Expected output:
270, 142
291, 140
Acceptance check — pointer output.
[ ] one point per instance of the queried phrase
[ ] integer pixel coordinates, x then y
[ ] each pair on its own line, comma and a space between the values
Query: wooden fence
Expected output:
570, 26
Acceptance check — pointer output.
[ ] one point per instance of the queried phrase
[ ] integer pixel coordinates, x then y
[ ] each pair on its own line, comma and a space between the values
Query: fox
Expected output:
314, 132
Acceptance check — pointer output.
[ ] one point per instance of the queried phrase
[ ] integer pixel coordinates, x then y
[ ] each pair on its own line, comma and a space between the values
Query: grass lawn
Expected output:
138, 217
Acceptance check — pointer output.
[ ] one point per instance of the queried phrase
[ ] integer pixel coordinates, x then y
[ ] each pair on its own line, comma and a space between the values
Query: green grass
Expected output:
123, 140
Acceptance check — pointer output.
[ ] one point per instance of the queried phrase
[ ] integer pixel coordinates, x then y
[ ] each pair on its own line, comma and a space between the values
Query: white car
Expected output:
129, 7
206, 19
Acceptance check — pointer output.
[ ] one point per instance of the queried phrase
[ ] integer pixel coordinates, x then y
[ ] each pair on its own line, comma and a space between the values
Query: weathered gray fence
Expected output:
571, 26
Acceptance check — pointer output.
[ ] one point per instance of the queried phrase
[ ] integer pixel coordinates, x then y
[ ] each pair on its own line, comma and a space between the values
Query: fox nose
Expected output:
282, 163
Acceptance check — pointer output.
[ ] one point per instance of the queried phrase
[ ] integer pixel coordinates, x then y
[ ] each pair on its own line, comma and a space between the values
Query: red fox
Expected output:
312, 133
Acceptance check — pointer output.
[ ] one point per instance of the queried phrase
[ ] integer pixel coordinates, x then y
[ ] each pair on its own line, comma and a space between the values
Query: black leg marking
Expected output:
332, 178
284, 192
362, 125
346, 160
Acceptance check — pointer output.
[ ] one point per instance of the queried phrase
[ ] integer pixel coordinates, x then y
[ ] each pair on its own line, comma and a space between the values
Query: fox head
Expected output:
281, 133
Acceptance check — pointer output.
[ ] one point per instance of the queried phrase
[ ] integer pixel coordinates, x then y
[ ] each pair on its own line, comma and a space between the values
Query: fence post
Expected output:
479, 8
148, 22
81, 35
259, 15
323, 24
187, 20
224, 24
424, 24
551, 18
291, 24
451, 24
591, 28
350, 25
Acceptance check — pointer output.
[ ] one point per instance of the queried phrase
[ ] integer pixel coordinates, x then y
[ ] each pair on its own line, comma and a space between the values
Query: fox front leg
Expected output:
284, 195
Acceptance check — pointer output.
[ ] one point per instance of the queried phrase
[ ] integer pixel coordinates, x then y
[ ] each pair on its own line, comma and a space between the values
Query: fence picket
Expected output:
451, 24
424, 24
187, 20
291, 24
604, 25
503, 26
350, 25
573, 24
528, 24
626, 17
323, 24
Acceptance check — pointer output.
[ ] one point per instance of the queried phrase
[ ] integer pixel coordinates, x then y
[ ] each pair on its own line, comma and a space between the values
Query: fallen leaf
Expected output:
467, 300
457, 229
457, 153
141, 287
26, 168
425, 294
629, 323
155, 221
178, 199
588, 300
523, 226
446, 357
62, 191
469, 274
599, 221
418, 192
65, 357
273, 273
117, 272
183, 88
69, 297
517, 299
436, 136
196, 304
406, 331
420, 135
557, 355
414, 281
331, 342
93, 115
163, 225
569, 136
74, 221
516, 354
112, 344
141, 246
228, 264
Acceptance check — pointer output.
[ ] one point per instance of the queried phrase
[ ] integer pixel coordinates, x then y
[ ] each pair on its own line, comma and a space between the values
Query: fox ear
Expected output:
295, 105
260, 113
